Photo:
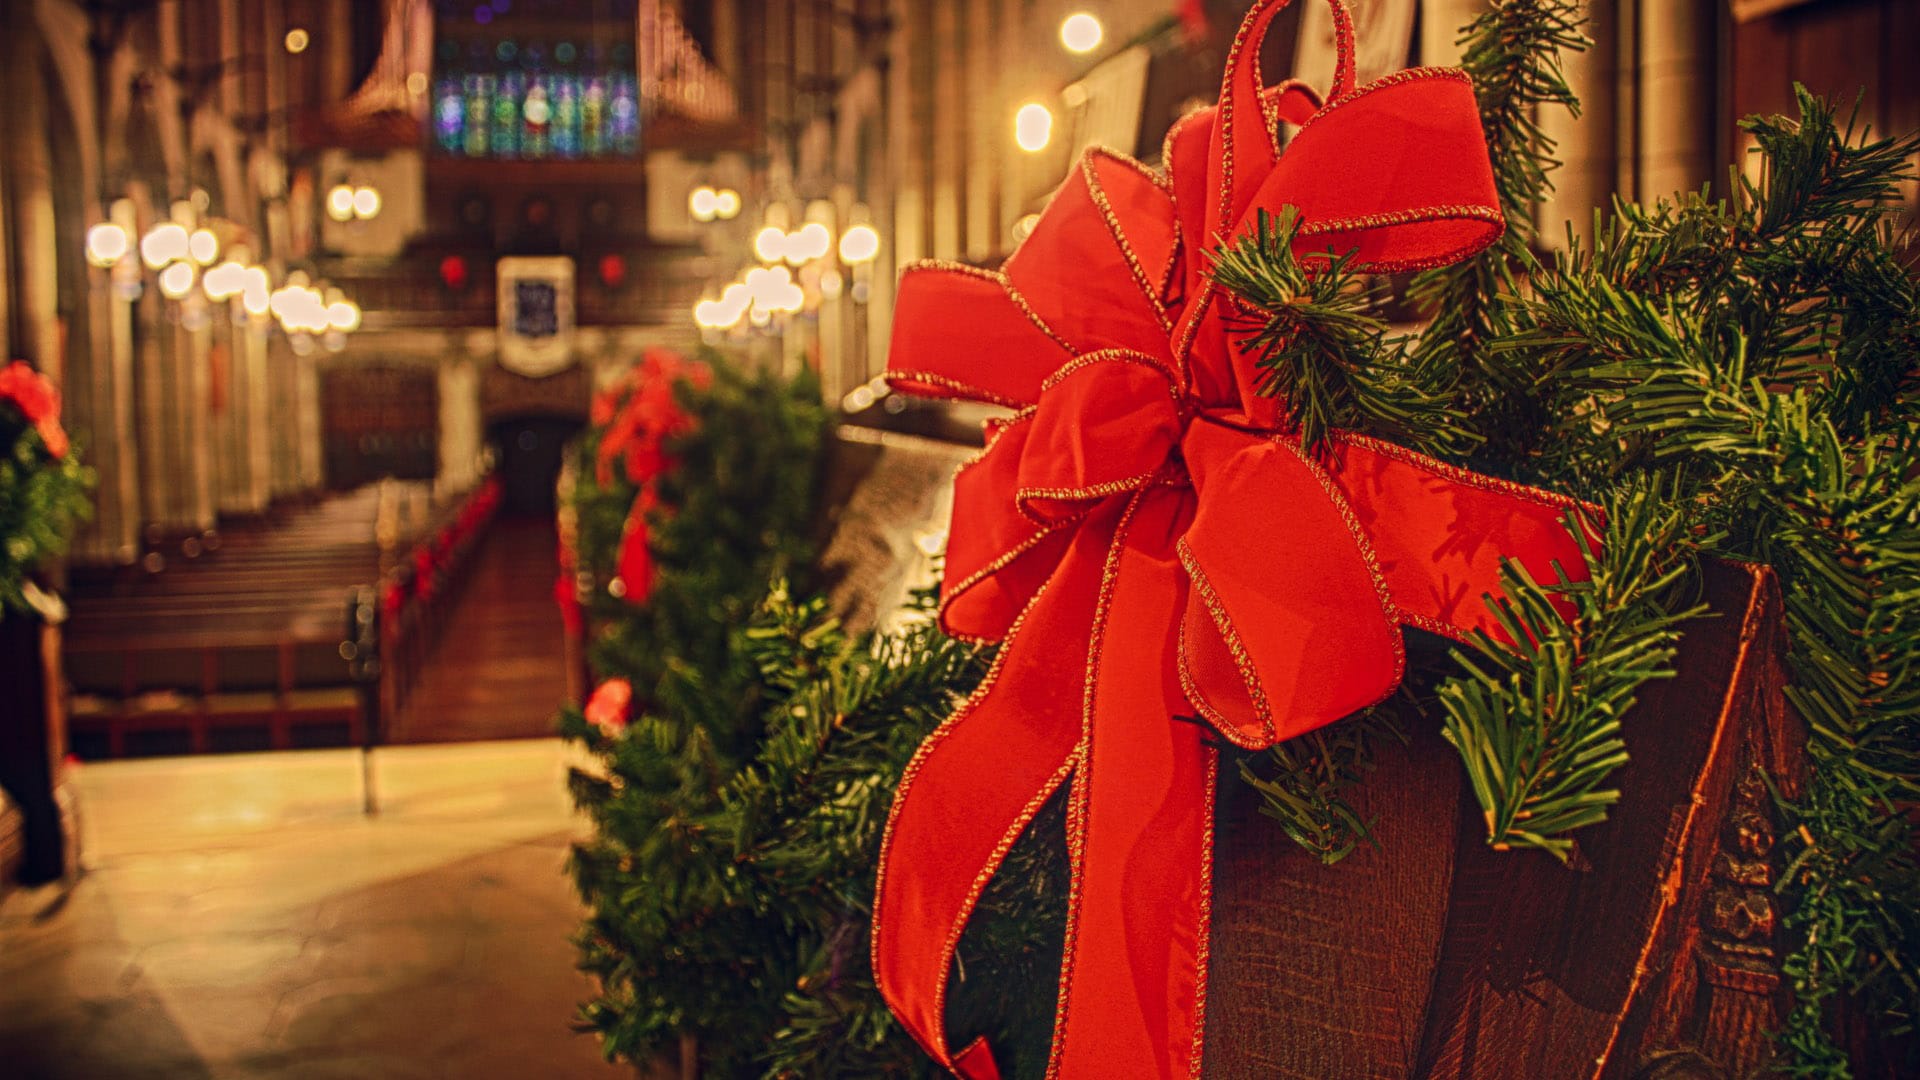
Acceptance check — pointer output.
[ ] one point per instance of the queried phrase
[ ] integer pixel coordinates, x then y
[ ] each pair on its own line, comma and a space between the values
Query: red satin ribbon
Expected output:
640, 416
1147, 540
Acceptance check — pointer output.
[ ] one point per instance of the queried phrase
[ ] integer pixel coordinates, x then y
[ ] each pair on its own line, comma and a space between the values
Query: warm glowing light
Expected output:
703, 204
770, 244
255, 294
176, 280
813, 241
163, 244
859, 244
366, 202
1081, 33
1032, 127
203, 246
300, 309
726, 204
832, 284
107, 244
726, 312
340, 202
297, 41
225, 281
417, 83
343, 315
772, 289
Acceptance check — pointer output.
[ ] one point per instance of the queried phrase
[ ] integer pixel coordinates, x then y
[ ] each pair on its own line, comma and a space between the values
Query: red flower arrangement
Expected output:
37, 401
638, 416
43, 489
607, 708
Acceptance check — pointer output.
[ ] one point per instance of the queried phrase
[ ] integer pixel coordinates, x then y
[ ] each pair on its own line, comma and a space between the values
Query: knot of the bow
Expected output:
1108, 423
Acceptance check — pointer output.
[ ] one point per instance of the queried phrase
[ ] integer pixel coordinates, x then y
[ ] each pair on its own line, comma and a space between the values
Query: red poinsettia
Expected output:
38, 401
639, 415
607, 708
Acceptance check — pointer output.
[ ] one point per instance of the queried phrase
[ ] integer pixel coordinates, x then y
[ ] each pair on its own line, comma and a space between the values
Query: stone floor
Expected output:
240, 917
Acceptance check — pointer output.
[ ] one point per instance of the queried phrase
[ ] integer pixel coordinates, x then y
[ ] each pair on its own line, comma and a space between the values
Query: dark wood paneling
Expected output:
1844, 49
379, 420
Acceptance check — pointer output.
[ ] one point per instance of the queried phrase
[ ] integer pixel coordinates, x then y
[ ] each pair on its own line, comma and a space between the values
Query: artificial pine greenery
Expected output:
1729, 377
735, 509
44, 490
734, 874
738, 816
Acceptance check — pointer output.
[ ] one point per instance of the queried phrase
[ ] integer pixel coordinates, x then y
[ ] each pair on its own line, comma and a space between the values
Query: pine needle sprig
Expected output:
1308, 784
1313, 327
1536, 716
1512, 53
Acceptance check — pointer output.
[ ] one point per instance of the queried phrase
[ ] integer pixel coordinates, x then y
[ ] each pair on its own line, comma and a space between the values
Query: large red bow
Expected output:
1148, 541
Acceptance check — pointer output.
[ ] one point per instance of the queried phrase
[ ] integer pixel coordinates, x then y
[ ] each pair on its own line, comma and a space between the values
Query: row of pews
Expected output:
300, 629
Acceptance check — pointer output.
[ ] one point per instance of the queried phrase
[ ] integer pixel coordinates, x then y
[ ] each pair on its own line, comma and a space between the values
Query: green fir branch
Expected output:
1308, 784
1511, 51
43, 499
1536, 716
1312, 325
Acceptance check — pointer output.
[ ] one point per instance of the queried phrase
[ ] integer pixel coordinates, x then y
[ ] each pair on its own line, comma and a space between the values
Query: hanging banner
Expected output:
536, 314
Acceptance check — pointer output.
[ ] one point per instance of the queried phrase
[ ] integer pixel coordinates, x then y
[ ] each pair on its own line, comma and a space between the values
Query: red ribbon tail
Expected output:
1140, 824
972, 788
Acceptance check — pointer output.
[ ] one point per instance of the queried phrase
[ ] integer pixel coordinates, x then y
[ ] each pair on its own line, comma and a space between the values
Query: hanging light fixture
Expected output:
107, 244
163, 244
176, 281
203, 246
1033, 127
340, 202
770, 244
1081, 32
859, 244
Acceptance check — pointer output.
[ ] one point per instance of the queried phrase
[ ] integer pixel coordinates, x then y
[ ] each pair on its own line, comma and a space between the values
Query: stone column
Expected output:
283, 383
313, 473
152, 366
253, 396
460, 425
195, 416
240, 452
1440, 24
947, 50
1676, 96
1585, 180
36, 285
99, 398
983, 101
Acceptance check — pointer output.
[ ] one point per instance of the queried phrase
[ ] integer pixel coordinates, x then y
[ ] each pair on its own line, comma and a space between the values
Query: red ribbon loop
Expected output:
1147, 542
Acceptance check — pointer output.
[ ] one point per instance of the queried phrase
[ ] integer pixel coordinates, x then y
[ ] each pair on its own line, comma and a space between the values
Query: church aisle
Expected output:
240, 917
499, 671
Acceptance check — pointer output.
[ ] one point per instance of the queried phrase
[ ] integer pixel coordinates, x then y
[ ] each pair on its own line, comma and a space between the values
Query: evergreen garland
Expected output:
735, 509
44, 489
1732, 378
736, 891
738, 816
